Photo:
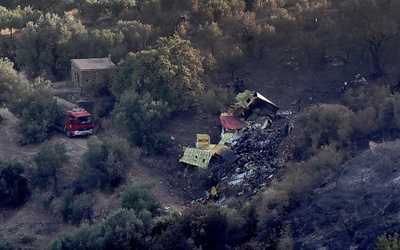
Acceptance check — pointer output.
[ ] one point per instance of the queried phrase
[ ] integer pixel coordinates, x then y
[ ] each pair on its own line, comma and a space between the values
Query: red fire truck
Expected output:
75, 121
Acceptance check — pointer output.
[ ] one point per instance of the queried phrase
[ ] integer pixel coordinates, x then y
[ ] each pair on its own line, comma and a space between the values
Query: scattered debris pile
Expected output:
245, 158
256, 149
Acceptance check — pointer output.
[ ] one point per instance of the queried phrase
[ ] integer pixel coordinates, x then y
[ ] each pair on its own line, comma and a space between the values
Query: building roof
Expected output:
93, 63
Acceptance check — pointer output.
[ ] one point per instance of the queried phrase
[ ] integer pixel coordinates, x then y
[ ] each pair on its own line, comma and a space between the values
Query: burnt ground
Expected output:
355, 207
287, 80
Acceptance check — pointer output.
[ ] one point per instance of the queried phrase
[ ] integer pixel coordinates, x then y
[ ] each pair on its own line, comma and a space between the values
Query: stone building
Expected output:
91, 71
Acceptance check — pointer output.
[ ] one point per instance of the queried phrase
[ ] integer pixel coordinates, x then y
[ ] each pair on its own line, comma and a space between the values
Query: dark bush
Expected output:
205, 227
105, 163
325, 124
13, 184
75, 209
123, 229
138, 198
34, 104
156, 144
49, 159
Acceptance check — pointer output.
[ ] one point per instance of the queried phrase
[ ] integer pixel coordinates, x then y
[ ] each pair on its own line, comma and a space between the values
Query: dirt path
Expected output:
35, 225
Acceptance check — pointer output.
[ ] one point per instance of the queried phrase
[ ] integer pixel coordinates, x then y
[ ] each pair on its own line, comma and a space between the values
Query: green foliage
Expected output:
205, 227
139, 116
300, 179
13, 184
389, 113
230, 60
209, 34
12, 20
41, 4
35, 106
210, 102
365, 96
101, 42
376, 109
222, 8
45, 46
8, 78
137, 36
156, 144
138, 198
95, 9
75, 209
364, 122
171, 73
388, 242
325, 124
104, 163
49, 159
123, 229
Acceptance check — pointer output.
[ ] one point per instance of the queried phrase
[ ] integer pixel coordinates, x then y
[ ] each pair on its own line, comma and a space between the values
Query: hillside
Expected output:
315, 186
353, 208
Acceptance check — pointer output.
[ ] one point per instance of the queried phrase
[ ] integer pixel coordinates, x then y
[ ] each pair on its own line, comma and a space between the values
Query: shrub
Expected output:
75, 209
139, 115
364, 122
35, 106
156, 144
121, 230
204, 227
295, 187
210, 102
389, 114
49, 159
138, 198
105, 162
326, 124
301, 178
388, 242
360, 98
13, 185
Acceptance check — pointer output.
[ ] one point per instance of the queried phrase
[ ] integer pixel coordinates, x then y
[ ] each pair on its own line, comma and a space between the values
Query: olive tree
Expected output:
13, 184
123, 229
34, 105
9, 78
48, 160
105, 162
171, 72
139, 116
44, 48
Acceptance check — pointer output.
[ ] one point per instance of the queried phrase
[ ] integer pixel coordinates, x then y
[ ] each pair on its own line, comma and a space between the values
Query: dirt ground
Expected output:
33, 225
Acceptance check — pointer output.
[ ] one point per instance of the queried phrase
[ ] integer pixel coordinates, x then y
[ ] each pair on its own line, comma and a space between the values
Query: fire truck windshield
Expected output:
84, 120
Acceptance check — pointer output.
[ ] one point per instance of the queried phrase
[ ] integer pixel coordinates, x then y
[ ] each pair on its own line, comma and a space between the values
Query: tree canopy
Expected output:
171, 72
49, 159
9, 78
47, 45
36, 108
13, 184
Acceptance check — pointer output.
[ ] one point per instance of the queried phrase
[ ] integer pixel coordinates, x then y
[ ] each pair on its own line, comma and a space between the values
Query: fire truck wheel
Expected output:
68, 133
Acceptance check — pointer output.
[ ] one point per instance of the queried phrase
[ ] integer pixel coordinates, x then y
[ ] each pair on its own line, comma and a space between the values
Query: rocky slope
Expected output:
354, 207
